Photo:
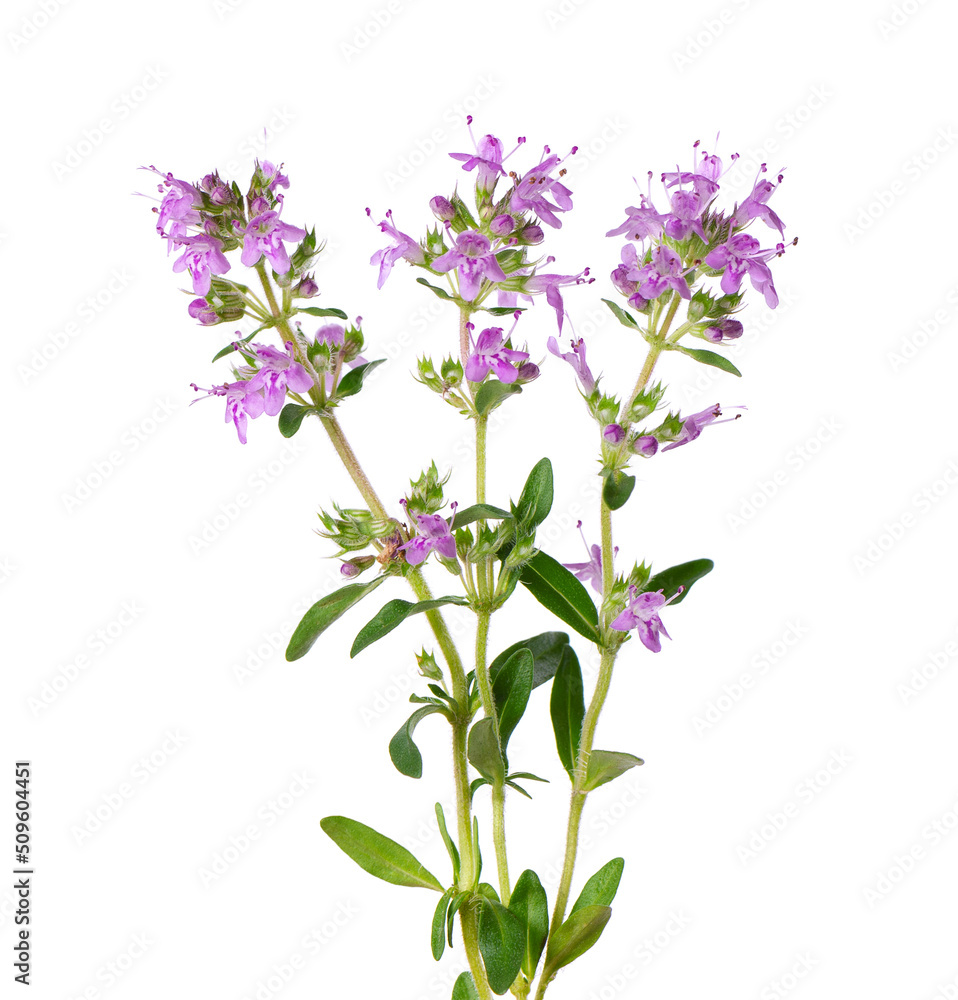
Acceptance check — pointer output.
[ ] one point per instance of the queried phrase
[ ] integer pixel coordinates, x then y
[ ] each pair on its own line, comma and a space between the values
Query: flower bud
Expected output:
724, 329
451, 371
613, 434
528, 372
442, 208
428, 666
645, 445
502, 225
353, 567
203, 312
307, 287
622, 281
531, 235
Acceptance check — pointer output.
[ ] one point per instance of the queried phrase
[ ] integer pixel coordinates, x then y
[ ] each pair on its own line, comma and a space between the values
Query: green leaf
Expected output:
316, 311
324, 612
291, 418
621, 315
535, 501
229, 349
576, 936
604, 765
353, 380
710, 358
600, 890
510, 692
555, 588
403, 752
491, 394
502, 310
479, 511
567, 707
501, 944
546, 649
683, 575
465, 988
393, 614
484, 752
451, 848
441, 292
530, 905
617, 490
377, 854
457, 901
439, 926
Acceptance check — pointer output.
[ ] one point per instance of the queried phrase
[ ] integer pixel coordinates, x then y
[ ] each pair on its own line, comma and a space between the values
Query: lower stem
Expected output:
470, 939
355, 470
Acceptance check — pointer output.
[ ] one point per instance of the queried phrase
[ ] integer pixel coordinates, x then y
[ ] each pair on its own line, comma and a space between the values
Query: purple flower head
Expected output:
577, 359
204, 257
613, 434
663, 271
533, 190
755, 205
178, 207
442, 208
724, 329
642, 614
243, 400
589, 572
404, 247
645, 445
434, 533
278, 372
692, 426
264, 237
473, 260
203, 312
686, 216
551, 283
488, 158
742, 255
489, 353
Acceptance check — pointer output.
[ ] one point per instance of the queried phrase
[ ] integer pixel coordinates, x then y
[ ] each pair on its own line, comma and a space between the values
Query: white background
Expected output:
812, 505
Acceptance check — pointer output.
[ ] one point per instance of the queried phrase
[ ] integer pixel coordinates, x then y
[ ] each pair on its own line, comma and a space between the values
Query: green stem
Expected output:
482, 423
470, 938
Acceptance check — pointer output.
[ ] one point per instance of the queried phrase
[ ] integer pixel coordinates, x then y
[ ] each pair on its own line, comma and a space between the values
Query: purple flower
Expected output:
642, 614
279, 372
589, 572
242, 400
204, 257
473, 259
178, 209
434, 533
755, 205
724, 329
264, 237
488, 158
405, 247
532, 189
442, 208
490, 353
613, 434
692, 426
502, 225
642, 221
576, 359
645, 445
686, 215
550, 284
203, 312
663, 271
276, 179
742, 255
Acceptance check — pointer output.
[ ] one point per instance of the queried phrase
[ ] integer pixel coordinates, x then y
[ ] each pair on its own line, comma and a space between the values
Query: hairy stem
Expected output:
470, 938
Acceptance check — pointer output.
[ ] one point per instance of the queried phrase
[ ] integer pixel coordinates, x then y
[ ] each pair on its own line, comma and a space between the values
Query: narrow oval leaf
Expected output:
465, 988
353, 380
451, 848
530, 905
567, 707
484, 752
546, 650
457, 901
377, 854
403, 752
600, 890
316, 311
439, 927
617, 490
324, 612
711, 358
621, 315
576, 936
555, 588
535, 501
503, 310
484, 511
491, 394
683, 575
395, 613
604, 765
510, 692
230, 348
501, 944
291, 418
